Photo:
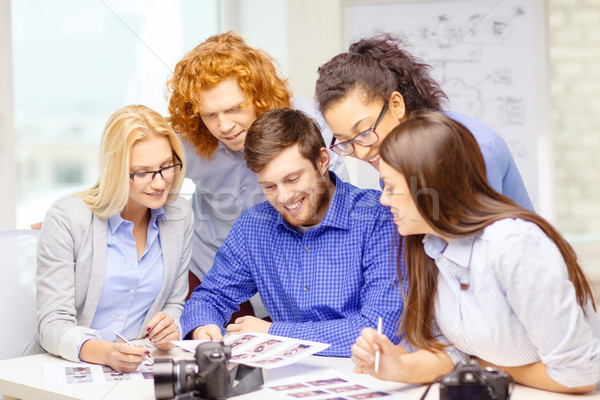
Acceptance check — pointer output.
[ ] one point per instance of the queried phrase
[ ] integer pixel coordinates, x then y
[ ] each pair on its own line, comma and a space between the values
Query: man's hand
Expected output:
207, 332
249, 324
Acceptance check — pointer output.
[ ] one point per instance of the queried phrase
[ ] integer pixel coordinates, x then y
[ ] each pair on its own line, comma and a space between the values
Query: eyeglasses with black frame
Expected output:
166, 172
365, 138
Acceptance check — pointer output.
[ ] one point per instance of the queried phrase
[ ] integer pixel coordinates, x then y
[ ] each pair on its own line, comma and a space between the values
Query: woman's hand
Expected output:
118, 355
125, 358
161, 330
390, 356
395, 363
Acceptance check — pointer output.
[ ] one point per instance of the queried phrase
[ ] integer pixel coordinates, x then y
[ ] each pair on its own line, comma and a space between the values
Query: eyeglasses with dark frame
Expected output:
365, 138
166, 172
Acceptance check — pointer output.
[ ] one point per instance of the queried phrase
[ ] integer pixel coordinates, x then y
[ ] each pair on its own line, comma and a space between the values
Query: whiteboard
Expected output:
490, 57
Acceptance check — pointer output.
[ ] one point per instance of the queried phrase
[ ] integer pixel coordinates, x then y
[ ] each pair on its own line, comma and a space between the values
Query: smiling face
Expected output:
295, 188
397, 196
354, 114
149, 154
227, 113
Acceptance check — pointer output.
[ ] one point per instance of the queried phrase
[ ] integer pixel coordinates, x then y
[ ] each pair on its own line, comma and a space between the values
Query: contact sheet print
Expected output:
56, 374
329, 385
263, 350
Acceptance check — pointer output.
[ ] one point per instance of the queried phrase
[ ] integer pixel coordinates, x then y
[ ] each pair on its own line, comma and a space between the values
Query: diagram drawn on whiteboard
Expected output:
482, 54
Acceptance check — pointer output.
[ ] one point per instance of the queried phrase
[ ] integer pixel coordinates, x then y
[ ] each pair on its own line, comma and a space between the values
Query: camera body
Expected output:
468, 381
206, 377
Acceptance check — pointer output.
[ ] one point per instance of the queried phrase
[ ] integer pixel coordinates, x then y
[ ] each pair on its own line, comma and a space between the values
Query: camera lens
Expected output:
172, 378
164, 376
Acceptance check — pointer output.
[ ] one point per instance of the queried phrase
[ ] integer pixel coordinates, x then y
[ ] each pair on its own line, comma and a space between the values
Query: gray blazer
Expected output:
71, 262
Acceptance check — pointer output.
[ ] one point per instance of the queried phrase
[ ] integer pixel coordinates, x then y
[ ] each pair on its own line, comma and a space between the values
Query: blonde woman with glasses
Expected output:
114, 258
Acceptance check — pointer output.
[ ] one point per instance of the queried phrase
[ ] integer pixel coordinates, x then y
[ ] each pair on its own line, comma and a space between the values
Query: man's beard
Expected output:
323, 195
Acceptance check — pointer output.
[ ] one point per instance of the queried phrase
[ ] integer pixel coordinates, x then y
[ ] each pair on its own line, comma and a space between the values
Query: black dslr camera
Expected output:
207, 377
469, 382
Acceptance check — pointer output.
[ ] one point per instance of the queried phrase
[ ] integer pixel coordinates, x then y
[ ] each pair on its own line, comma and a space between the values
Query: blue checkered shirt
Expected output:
324, 285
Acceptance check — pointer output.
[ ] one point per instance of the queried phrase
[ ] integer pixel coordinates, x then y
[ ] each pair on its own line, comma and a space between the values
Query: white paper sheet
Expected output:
327, 385
57, 374
263, 350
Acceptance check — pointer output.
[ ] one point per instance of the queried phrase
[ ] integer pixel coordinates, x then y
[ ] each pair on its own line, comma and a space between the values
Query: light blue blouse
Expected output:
130, 285
502, 172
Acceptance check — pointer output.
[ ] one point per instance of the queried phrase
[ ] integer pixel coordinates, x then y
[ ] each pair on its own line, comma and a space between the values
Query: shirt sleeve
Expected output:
380, 296
226, 285
58, 331
533, 274
511, 182
455, 354
502, 172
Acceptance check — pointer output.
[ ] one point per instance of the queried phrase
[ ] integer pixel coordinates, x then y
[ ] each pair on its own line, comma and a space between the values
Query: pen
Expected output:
379, 322
131, 344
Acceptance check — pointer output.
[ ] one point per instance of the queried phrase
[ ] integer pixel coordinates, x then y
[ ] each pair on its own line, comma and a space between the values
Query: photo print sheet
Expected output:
263, 350
58, 374
329, 385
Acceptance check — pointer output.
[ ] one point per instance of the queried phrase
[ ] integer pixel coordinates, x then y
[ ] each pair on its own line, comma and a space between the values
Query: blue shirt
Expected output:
517, 305
324, 285
502, 172
130, 284
225, 188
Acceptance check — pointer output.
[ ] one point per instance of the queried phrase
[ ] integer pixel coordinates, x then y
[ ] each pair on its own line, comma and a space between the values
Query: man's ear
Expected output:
323, 161
397, 107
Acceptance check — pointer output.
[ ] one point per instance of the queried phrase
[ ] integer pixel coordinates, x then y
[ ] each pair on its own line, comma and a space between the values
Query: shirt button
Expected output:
244, 188
306, 288
131, 291
306, 249
120, 317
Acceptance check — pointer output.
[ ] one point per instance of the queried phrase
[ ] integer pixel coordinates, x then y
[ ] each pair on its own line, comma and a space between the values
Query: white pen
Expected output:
379, 323
131, 344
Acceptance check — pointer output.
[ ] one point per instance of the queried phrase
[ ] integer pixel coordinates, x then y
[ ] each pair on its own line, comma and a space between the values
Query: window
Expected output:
74, 64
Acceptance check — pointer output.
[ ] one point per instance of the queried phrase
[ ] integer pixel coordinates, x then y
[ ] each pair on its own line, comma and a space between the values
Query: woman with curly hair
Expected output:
487, 278
368, 90
217, 91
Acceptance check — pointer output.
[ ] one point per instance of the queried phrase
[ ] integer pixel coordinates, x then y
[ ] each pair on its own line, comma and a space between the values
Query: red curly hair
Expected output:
218, 58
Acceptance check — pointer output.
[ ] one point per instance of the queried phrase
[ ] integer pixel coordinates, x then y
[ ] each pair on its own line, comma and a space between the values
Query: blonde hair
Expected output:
126, 127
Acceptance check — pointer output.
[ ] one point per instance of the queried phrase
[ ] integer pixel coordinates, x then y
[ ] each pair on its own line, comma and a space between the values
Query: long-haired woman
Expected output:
115, 257
487, 278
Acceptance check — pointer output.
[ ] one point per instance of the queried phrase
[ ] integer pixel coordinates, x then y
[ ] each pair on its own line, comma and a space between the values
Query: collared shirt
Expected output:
517, 305
502, 172
324, 285
225, 188
130, 284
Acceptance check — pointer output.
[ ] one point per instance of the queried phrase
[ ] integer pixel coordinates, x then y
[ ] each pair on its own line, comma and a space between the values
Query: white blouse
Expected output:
504, 296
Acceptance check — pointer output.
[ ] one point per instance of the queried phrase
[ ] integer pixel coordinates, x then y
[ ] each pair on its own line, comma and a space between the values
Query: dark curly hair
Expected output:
379, 66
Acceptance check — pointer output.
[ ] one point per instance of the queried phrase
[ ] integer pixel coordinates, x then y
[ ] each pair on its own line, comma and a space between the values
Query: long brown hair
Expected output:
220, 57
439, 155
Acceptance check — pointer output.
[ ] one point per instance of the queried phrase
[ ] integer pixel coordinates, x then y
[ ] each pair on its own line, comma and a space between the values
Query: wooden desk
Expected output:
23, 378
